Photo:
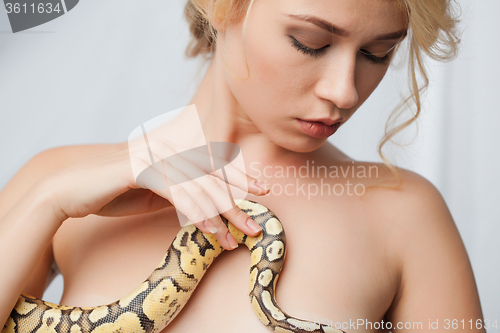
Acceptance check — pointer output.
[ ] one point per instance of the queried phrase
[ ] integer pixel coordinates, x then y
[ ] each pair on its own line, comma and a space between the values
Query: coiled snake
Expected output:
156, 302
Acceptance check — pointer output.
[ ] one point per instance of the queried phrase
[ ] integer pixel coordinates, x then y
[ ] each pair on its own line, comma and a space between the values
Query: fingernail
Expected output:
232, 241
210, 226
261, 185
253, 225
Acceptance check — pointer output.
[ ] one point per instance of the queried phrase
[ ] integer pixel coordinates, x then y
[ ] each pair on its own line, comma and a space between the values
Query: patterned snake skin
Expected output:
156, 302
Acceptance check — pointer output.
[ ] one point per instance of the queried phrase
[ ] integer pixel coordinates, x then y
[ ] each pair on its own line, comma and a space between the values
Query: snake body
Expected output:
156, 302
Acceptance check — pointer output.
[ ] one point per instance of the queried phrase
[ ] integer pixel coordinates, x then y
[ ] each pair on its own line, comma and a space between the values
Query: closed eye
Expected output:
307, 50
318, 52
374, 59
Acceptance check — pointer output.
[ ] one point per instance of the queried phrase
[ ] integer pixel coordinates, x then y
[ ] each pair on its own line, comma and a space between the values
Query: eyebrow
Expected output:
344, 33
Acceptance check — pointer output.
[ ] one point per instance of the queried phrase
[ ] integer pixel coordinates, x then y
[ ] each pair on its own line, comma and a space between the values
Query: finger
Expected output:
199, 161
188, 168
178, 169
195, 202
201, 197
236, 177
162, 174
182, 157
218, 196
217, 191
222, 235
189, 198
207, 191
183, 202
225, 239
162, 158
242, 221
214, 224
200, 157
197, 194
227, 206
206, 227
196, 163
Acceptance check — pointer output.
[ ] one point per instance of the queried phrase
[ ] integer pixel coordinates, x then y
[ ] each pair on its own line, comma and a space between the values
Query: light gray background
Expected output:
99, 71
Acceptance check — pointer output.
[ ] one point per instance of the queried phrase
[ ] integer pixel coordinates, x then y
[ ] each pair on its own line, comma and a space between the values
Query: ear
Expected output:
218, 24
220, 21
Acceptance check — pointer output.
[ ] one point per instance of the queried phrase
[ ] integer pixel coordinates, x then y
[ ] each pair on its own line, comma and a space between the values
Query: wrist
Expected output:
44, 199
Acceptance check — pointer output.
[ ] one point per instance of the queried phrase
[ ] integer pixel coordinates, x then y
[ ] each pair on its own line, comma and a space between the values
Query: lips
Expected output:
318, 129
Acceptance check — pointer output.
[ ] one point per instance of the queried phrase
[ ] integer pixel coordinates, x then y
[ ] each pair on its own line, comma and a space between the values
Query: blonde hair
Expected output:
432, 30
202, 13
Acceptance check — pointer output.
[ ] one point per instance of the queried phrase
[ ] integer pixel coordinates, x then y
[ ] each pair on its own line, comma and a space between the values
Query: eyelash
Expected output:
376, 60
318, 52
307, 50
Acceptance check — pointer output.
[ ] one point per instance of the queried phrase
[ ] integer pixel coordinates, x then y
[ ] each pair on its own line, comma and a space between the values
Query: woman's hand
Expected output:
106, 186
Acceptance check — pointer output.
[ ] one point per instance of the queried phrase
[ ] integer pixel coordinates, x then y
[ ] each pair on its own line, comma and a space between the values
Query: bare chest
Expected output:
336, 270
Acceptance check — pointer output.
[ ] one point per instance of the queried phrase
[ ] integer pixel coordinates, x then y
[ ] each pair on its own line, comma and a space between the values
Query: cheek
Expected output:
275, 64
367, 79
276, 82
271, 72
275, 91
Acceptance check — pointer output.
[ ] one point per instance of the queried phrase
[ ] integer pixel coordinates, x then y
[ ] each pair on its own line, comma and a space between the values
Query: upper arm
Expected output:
437, 282
34, 170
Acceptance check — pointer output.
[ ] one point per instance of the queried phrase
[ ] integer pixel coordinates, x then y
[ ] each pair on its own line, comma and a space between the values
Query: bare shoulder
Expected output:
413, 204
407, 203
422, 238
413, 209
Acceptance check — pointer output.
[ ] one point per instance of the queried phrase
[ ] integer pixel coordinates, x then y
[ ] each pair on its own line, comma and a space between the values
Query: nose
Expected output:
337, 82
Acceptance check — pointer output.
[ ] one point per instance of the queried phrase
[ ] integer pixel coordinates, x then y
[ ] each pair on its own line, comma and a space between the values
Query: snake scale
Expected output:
156, 302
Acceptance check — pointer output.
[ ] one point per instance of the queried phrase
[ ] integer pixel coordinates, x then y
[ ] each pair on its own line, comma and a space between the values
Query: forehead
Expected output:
355, 16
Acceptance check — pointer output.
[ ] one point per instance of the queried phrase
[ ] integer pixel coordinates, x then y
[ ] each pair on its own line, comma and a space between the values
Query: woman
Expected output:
284, 75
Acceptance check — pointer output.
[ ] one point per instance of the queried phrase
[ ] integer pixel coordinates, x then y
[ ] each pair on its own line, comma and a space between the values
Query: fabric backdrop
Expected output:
105, 67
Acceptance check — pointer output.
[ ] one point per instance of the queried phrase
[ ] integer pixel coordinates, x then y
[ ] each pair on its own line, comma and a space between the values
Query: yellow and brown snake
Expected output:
156, 302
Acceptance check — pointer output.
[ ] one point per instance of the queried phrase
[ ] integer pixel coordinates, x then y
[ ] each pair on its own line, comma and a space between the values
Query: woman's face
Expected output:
308, 60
